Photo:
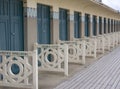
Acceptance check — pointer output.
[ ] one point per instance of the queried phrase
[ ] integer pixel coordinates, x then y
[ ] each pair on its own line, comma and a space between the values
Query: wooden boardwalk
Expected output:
103, 74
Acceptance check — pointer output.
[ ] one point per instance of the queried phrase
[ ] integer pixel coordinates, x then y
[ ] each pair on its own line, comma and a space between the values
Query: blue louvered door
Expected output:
87, 23
108, 25
100, 25
16, 20
104, 25
76, 25
4, 24
11, 25
43, 19
94, 25
63, 23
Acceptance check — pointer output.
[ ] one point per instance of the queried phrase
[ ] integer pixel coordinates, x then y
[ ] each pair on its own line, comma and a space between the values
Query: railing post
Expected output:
95, 49
83, 52
35, 70
103, 44
66, 60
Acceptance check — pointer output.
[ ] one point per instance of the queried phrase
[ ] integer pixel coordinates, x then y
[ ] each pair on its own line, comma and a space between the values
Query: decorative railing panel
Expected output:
100, 44
107, 42
90, 46
18, 69
112, 40
116, 36
52, 57
76, 51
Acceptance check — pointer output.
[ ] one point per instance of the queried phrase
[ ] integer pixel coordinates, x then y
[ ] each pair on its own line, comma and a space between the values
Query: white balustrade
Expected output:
107, 42
90, 46
100, 44
52, 57
112, 40
19, 69
76, 51
118, 37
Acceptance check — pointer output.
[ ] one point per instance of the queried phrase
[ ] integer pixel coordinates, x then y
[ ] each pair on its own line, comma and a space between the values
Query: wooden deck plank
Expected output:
115, 83
87, 81
93, 80
110, 75
104, 74
89, 69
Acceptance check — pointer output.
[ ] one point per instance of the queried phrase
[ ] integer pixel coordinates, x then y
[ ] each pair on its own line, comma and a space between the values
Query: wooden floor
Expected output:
103, 74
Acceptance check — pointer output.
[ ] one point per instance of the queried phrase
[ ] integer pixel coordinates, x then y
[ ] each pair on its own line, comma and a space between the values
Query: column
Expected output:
91, 26
102, 25
83, 25
55, 24
97, 30
71, 32
106, 26
30, 24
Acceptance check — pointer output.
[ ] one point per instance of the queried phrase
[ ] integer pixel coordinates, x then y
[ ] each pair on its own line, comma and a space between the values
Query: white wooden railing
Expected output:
118, 37
112, 40
76, 51
52, 57
90, 46
27, 69
107, 42
100, 44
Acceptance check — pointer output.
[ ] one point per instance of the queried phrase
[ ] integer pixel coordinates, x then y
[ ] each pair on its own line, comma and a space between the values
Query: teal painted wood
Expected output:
11, 24
63, 24
11, 27
16, 20
100, 25
4, 25
77, 22
43, 20
94, 25
87, 23
112, 25
104, 25
108, 25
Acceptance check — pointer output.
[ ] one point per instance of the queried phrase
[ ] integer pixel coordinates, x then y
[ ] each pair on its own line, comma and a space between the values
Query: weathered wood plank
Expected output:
103, 74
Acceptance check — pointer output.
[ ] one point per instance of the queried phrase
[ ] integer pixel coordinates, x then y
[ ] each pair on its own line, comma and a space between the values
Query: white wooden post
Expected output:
95, 49
83, 52
103, 44
66, 60
35, 70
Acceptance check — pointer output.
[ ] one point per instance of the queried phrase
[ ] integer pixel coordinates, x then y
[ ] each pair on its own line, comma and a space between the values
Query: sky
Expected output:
112, 3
